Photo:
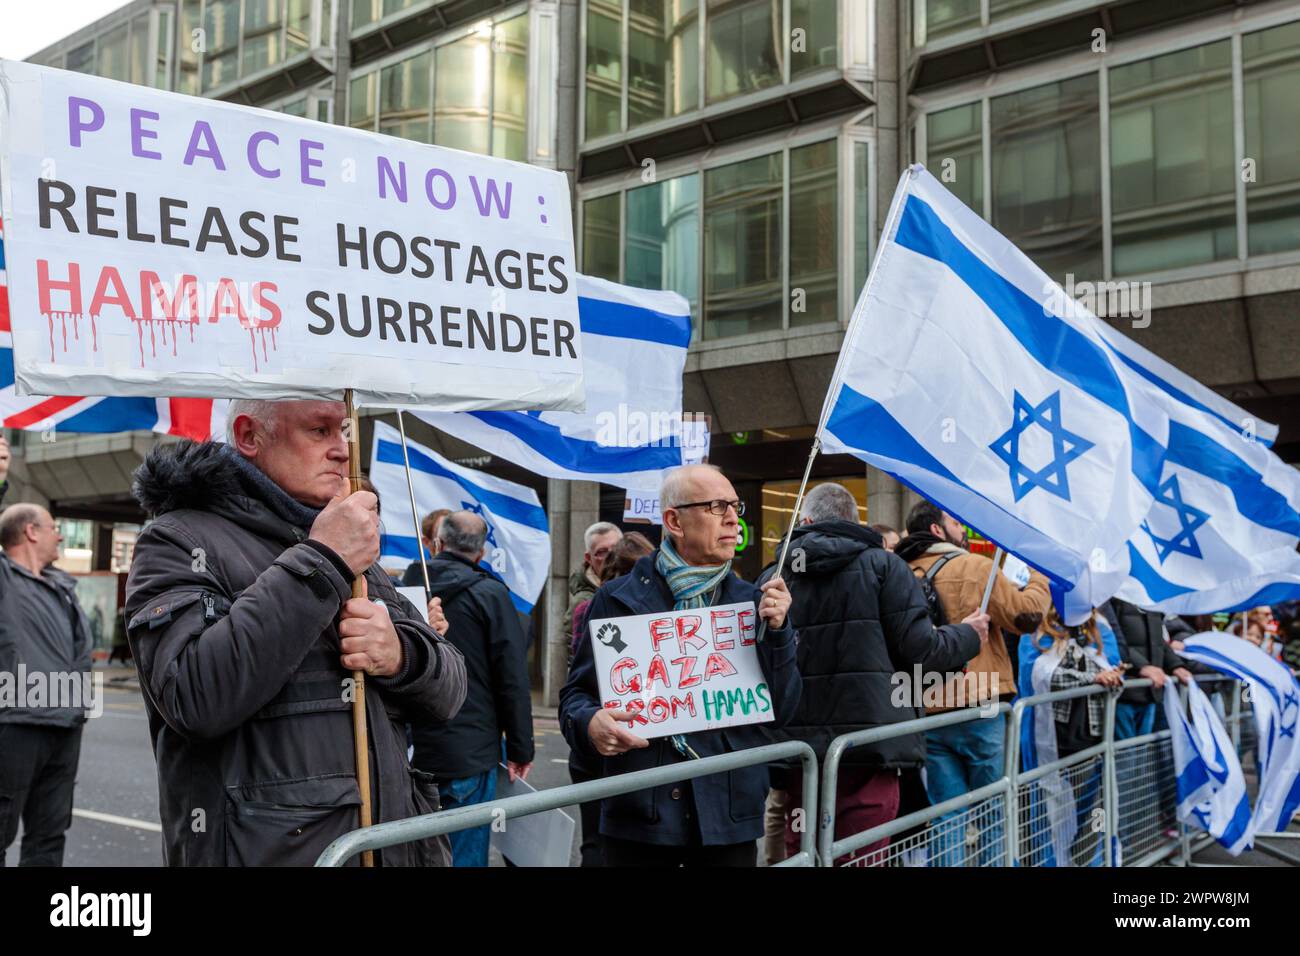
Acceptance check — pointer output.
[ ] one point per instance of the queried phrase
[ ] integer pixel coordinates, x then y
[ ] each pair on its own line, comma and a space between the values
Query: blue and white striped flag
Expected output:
1275, 704
1223, 528
519, 540
967, 375
634, 344
1211, 787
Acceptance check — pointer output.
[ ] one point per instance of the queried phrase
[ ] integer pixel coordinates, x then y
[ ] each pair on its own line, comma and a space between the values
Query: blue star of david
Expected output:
1189, 519
478, 510
1066, 447
1290, 705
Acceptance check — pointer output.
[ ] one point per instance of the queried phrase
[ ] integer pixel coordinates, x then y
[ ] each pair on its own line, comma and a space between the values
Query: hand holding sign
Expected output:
609, 738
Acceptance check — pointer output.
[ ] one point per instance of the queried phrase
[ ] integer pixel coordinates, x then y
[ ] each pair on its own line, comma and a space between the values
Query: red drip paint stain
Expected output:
49, 318
64, 319
94, 333
76, 326
139, 334
176, 334
253, 343
262, 333
273, 328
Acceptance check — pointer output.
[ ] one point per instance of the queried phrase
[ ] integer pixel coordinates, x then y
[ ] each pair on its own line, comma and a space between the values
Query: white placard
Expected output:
641, 505
682, 671
539, 839
167, 244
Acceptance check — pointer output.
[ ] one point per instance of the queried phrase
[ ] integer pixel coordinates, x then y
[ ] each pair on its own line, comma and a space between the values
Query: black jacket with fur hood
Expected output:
231, 615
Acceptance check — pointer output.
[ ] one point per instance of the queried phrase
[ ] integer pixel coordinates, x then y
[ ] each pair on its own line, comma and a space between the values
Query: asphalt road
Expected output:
115, 804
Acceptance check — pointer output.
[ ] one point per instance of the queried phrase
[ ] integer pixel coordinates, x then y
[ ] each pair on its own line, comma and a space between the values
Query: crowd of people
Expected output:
245, 630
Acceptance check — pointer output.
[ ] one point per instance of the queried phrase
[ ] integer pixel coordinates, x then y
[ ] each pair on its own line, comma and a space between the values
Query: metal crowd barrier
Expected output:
464, 818
1122, 793
974, 809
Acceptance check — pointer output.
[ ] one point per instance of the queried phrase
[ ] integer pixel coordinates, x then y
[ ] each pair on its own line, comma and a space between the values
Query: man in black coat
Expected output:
866, 644
242, 622
713, 820
463, 753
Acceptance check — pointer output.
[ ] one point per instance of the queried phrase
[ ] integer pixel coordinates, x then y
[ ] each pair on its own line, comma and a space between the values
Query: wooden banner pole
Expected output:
360, 738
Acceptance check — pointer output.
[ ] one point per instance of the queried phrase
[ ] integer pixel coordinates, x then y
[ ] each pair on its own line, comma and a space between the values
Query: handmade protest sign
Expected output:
682, 671
166, 244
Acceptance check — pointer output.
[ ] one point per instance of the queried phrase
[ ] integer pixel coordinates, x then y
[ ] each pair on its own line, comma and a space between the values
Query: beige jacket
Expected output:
960, 585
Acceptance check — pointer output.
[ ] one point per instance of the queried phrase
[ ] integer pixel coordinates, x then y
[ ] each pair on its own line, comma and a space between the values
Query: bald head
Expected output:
29, 536
463, 533
700, 536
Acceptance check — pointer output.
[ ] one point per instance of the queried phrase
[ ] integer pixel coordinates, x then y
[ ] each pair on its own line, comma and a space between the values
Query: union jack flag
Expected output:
196, 418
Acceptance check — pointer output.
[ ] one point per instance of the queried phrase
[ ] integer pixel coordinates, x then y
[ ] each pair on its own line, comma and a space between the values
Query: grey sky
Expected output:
26, 27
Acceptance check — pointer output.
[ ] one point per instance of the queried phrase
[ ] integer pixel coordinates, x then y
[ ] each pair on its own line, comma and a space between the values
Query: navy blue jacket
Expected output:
726, 807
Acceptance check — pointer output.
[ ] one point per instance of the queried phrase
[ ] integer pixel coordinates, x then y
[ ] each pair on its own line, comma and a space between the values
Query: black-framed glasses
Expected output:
718, 506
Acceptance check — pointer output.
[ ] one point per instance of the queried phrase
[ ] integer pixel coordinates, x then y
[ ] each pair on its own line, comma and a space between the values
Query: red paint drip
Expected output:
139, 334
253, 342
64, 321
76, 326
94, 333
49, 319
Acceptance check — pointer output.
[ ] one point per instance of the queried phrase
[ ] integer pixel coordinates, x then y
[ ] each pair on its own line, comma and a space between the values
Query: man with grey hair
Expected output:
599, 540
462, 753
44, 632
712, 820
242, 622
864, 631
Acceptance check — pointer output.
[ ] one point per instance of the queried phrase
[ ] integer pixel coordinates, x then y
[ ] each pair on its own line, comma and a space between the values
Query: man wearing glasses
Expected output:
43, 629
713, 820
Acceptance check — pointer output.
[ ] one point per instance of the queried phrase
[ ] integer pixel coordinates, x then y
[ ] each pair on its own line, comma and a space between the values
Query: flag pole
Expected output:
361, 743
993, 576
794, 517
415, 515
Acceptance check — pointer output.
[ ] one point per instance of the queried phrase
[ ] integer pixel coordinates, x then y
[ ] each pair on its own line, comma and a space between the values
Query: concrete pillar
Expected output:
573, 507
885, 499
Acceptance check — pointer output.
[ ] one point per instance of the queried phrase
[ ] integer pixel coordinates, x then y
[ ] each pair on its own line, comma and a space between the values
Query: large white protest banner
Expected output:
682, 671
165, 244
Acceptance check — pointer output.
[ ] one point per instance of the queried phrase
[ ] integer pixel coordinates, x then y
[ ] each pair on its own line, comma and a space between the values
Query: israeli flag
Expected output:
971, 377
1222, 531
1275, 703
518, 542
634, 344
1211, 787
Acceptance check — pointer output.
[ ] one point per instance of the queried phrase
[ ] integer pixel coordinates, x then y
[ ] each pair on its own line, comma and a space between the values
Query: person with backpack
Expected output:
865, 638
463, 753
966, 756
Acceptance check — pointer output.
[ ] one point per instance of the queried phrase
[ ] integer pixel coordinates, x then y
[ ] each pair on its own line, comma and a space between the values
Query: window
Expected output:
954, 147
717, 237
1172, 189
82, 59
240, 38
1046, 145
663, 59
366, 12
1271, 95
939, 18
814, 271
744, 52
742, 247
600, 228
663, 237
745, 43
111, 55
221, 58
604, 68
861, 218
404, 98
481, 91
470, 93
819, 47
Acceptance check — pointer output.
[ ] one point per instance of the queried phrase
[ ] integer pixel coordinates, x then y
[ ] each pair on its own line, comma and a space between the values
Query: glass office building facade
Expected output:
743, 154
